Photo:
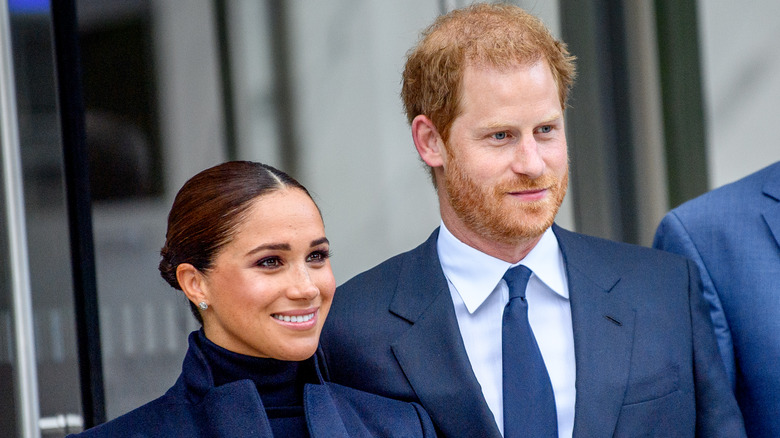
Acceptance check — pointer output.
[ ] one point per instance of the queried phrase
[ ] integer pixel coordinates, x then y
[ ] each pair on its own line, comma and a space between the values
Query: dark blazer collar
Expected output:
603, 323
772, 189
210, 404
431, 352
235, 409
420, 281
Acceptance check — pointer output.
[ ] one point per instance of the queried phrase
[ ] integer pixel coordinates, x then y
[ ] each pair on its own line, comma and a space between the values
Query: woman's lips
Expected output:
297, 319
293, 318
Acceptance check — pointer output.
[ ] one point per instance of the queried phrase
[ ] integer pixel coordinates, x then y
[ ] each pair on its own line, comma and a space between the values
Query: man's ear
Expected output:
428, 142
192, 283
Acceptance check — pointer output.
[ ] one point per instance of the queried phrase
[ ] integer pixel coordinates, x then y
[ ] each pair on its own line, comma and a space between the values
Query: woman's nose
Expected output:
303, 286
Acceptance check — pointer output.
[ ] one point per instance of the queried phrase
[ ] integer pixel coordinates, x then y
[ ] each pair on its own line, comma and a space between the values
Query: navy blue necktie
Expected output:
529, 403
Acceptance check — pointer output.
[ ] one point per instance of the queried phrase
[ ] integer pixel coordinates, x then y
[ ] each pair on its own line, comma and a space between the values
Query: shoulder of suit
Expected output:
389, 269
740, 195
580, 245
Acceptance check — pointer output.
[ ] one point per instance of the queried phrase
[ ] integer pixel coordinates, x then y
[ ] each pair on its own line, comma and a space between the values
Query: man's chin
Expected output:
531, 228
519, 233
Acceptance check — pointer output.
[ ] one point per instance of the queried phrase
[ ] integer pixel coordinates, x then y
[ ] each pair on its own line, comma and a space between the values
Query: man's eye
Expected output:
545, 129
500, 135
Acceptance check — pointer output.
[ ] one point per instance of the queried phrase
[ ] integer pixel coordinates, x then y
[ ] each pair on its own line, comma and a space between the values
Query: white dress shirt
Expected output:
479, 295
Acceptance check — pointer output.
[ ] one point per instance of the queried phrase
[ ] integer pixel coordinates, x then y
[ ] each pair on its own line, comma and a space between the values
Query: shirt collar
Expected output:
475, 274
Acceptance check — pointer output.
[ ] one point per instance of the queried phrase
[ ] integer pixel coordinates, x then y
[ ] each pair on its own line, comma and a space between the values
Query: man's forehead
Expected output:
474, 66
472, 70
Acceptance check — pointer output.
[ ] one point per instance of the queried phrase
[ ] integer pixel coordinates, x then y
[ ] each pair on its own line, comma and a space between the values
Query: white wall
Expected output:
358, 157
741, 72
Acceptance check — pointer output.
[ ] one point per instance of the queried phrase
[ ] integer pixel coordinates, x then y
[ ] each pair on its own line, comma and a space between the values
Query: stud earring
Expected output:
203, 305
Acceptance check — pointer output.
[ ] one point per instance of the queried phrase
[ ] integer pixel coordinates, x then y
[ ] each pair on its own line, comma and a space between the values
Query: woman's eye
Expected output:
318, 256
270, 262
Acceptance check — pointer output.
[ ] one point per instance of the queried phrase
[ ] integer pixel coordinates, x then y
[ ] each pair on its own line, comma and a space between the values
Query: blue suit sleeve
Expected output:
672, 236
717, 412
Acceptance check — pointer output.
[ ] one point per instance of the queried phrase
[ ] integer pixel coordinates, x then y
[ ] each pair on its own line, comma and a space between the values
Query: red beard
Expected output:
491, 212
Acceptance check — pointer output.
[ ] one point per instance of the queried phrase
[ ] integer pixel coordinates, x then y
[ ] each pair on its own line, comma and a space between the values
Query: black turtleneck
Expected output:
279, 383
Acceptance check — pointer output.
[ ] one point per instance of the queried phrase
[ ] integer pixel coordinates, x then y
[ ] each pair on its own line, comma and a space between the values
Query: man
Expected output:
621, 342
733, 235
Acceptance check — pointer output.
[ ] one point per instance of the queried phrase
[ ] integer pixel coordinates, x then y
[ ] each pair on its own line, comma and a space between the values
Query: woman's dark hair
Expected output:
207, 211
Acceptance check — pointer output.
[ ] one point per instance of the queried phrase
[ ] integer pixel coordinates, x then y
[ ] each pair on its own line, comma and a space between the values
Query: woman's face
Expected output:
270, 287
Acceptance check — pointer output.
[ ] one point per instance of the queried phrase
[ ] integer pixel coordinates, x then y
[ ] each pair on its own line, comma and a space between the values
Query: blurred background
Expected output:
108, 106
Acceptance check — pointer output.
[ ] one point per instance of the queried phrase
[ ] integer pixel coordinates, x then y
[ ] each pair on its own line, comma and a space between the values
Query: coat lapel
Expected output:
210, 404
234, 410
603, 323
772, 214
322, 416
431, 352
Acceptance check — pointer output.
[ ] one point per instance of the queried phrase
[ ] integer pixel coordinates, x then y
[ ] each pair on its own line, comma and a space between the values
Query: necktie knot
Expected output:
517, 279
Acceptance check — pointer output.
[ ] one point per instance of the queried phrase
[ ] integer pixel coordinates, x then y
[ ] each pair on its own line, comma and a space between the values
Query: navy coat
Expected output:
733, 235
193, 407
646, 359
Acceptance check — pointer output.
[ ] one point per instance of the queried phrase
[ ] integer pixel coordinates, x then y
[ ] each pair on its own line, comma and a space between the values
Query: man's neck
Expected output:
508, 251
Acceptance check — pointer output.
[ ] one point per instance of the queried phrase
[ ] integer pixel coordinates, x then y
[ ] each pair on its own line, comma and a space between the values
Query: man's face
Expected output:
506, 165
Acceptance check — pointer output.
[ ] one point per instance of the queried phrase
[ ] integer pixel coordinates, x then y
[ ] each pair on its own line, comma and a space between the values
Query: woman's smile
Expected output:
297, 319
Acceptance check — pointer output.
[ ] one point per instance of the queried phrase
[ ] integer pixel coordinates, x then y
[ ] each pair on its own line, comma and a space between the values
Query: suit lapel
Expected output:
431, 352
772, 214
603, 324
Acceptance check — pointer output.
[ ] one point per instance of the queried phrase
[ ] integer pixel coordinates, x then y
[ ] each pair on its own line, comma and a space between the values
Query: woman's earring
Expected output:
203, 305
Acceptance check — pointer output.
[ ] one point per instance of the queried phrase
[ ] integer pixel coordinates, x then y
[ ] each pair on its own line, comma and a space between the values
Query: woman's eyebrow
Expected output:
319, 241
274, 246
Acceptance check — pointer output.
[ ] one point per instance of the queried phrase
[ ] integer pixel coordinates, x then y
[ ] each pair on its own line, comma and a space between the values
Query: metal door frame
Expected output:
25, 363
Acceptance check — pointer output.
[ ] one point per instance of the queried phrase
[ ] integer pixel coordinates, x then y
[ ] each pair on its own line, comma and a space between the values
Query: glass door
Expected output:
39, 379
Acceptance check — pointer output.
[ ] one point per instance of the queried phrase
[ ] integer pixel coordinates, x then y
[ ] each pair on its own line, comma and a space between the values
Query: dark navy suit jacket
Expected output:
646, 359
733, 235
194, 407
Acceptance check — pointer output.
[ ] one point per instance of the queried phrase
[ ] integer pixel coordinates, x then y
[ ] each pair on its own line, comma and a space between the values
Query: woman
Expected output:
246, 244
